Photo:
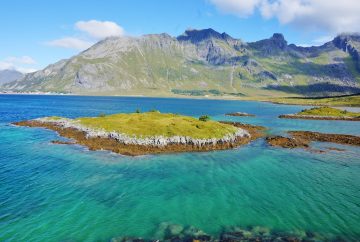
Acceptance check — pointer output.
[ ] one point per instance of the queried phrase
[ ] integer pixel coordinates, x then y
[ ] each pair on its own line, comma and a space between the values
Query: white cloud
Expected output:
93, 30
71, 43
314, 15
241, 8
21, 60
17, 63
26, 70
323, 39
100, 29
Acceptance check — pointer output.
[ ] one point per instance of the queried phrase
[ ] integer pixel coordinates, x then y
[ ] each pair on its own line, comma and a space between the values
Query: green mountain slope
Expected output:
202, 62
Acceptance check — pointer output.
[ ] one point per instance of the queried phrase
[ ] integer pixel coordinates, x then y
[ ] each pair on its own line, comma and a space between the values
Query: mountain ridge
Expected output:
202, 62
9, 75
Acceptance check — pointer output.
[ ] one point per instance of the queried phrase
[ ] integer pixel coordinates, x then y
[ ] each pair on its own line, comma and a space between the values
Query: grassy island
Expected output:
159, 124
342, 101
147, 133
324, 113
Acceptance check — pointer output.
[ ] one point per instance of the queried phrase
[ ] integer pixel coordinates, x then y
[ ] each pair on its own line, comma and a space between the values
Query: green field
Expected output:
345, 101
155, 124
328, 111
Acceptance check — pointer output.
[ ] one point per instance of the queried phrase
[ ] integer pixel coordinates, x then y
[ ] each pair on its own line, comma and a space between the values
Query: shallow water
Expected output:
54, 192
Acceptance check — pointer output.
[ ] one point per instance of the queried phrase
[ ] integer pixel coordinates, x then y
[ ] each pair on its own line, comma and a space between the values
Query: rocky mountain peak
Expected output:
271, 46
342, 41
195, 35
279, 40
349, 43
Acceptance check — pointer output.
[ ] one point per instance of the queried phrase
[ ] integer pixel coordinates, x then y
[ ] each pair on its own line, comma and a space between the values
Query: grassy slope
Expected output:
328, 111
154, 123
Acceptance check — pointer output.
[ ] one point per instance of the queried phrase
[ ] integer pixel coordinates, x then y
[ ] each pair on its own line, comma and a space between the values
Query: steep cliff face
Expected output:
351, 45
271, 46
201, 62
211, 46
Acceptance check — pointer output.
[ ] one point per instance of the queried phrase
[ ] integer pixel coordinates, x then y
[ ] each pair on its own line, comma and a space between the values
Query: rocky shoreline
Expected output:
315, 117
240, 114
287, 142
343, 139
255, 131
303, 139
126, 145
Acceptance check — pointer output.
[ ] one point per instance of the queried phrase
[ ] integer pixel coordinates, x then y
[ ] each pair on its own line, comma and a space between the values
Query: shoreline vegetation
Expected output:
148, 133
324, 113
336, 101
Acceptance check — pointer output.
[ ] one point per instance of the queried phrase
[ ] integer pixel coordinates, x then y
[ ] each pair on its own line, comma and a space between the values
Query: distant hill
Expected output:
203, 62
7, 76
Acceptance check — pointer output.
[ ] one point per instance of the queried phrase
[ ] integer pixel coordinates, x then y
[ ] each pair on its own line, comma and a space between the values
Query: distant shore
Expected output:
354, 100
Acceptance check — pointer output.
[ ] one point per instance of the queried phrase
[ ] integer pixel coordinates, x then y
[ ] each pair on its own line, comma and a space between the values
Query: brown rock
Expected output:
323, 137
240, 114
286, 142
60, 142
254, 130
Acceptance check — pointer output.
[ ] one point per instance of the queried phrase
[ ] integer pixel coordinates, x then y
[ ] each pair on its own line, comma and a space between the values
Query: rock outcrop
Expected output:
351, 45
303, 139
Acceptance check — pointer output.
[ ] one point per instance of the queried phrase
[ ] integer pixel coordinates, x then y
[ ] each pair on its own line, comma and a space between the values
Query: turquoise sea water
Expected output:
54, 192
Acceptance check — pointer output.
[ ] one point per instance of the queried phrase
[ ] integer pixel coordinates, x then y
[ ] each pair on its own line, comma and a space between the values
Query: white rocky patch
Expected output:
147, 141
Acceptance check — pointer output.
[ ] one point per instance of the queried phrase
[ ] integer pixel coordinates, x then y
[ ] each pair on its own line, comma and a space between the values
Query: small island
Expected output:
240, 114
324, 113
146, 133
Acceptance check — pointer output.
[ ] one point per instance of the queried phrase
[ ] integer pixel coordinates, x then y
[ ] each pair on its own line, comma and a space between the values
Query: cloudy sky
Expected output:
36, 33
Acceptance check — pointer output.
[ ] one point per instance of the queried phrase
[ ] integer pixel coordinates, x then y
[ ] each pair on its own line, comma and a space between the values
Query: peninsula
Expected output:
324, 113
146, 133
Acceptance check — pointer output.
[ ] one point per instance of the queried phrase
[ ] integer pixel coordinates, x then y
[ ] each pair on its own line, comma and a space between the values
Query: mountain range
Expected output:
202, 62
9, 75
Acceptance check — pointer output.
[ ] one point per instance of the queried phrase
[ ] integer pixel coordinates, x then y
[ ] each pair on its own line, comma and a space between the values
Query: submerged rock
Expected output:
235, 234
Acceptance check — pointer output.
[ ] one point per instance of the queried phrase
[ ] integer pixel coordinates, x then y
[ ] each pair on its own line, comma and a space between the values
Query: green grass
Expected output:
155, 124
345, 101
54, 118
328, 111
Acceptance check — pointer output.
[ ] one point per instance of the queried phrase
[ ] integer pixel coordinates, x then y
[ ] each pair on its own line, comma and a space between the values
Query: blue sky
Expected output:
34, 31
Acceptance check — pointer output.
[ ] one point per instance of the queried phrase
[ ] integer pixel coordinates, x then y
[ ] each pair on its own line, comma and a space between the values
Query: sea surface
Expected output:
51, 192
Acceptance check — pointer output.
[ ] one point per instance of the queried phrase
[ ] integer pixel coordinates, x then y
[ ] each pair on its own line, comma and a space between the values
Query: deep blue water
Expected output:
54, 192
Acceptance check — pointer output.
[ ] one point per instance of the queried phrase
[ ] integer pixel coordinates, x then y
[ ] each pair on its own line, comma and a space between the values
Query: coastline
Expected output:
249, 98
314, 117
133, 147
